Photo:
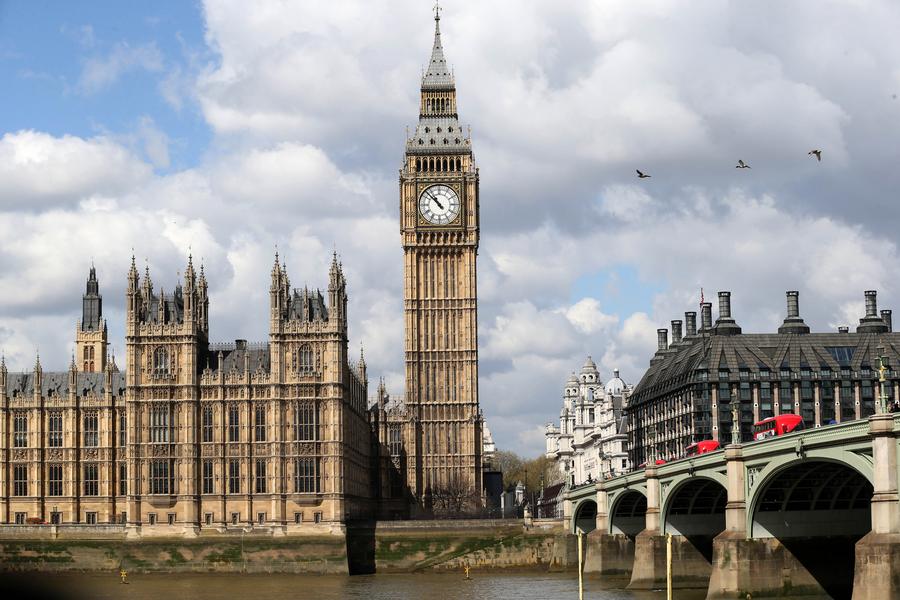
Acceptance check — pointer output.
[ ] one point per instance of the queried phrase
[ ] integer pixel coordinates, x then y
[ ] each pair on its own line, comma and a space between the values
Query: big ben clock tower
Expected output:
439, 231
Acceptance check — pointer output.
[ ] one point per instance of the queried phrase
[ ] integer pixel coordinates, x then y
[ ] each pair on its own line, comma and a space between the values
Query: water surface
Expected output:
427, 586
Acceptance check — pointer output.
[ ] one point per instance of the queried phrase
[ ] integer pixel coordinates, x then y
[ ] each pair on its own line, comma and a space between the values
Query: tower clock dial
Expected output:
439, 205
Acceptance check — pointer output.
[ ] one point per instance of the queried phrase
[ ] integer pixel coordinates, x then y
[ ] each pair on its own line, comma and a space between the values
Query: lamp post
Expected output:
882, 361
735, 421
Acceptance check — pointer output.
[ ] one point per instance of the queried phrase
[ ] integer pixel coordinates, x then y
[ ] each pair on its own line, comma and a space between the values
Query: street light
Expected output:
882, 362
735, 421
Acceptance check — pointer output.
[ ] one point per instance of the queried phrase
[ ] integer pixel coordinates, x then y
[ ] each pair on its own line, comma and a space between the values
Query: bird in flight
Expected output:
641, 175
741, 165
817, 154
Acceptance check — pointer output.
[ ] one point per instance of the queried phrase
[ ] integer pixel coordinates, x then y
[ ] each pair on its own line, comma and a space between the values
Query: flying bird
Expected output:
641, 175
741, 165
817, 154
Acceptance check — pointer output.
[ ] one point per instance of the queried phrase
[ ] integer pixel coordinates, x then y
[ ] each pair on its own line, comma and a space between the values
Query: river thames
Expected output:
491, 586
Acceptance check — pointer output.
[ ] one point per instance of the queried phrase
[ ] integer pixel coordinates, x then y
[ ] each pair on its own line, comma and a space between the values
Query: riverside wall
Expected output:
384, 547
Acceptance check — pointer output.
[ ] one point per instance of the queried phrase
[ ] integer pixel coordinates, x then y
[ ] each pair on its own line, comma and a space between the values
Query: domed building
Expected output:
589, 442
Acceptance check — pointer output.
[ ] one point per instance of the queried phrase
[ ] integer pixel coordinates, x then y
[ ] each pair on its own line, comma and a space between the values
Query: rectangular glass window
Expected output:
159, 424
724, 391
20, 480
20, 430
306, 475
745, 391
305, 422
91, 483
234, 423
54, 429
54, 480
20, 518
90, 518
123, 479
260, 424
234, 476
207, 424
123, 430
207, 477
90, 429
786, 397
159, 477
260, 476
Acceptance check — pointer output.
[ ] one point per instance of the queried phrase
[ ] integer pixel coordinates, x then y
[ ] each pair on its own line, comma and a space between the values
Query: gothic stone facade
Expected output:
439, 421
692, 385
193, 434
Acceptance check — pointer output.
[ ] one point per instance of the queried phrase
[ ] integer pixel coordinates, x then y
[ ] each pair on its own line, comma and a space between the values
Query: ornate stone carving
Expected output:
752, 475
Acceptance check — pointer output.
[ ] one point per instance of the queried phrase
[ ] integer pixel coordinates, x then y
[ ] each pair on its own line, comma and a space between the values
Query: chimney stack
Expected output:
886, 317
843, 329
705, 317
871, 303
872, 323
793, 323
676, 332
690, 323
662, 342
725, 325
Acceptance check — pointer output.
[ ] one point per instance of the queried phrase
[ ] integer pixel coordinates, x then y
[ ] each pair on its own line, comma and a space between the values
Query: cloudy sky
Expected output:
209, 127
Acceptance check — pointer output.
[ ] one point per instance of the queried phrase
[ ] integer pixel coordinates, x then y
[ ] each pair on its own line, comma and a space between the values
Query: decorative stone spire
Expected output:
362, 365
37, 363
438, 74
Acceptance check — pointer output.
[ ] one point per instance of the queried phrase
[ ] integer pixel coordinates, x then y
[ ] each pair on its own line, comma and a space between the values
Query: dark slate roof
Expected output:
307, 306
173, 307
234, 356
57, 382
774, 352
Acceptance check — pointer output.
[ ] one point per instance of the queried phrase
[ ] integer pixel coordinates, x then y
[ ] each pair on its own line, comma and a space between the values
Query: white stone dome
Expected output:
615, 386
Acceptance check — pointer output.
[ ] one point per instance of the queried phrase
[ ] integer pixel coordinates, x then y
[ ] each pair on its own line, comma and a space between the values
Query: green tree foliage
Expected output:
528, 471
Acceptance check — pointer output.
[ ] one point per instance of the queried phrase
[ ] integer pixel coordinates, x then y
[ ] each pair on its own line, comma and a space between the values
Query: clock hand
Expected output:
433, 197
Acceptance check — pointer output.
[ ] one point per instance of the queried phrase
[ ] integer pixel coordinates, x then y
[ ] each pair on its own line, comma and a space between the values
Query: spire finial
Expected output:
437, 10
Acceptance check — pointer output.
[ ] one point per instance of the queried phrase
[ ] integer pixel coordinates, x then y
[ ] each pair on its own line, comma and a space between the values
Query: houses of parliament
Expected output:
190, 434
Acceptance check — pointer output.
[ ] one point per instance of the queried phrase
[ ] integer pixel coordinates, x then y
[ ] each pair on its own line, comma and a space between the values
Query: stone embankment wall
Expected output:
385, 547
447, 545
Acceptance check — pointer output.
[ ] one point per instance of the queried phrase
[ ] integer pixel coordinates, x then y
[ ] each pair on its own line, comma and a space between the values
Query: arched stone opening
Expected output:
818, 510
586, 517
696, 510
629, 514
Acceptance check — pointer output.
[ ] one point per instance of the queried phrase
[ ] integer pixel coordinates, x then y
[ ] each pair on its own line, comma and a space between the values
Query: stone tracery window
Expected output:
161, 362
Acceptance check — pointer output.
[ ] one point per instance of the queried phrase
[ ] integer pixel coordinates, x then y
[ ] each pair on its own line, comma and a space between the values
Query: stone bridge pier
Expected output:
876, 572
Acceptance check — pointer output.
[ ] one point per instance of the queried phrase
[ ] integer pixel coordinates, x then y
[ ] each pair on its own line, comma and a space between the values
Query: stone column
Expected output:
877, 572
653, 506
736, 506
607, 554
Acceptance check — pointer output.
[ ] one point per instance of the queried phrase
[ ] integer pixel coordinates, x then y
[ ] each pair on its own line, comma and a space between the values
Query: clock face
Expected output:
439, 204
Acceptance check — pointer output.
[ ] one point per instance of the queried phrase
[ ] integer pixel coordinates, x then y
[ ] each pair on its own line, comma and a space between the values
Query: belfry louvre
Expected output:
690, 388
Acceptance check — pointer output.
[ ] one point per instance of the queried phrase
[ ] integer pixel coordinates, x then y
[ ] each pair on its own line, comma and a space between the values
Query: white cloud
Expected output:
307, 104
100, 72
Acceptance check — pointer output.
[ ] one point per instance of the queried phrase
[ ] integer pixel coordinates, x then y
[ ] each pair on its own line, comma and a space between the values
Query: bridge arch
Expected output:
628, 513
585, 516
817, 507
694, 507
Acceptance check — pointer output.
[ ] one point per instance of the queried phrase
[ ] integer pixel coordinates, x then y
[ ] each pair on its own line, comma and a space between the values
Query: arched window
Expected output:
306, 358
161, 360
86, 353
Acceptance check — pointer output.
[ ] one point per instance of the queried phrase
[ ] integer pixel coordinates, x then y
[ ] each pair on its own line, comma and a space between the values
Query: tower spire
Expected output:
438, 74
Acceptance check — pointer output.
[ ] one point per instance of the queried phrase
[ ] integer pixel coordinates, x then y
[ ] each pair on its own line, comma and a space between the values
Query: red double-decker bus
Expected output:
701, 447
779, 425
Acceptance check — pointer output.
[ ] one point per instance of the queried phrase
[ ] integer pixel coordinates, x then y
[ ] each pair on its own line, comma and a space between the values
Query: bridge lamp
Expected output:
882, 362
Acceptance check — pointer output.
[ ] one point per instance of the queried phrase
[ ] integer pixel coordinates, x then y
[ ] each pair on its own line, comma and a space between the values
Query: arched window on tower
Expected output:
306, 358
161, 360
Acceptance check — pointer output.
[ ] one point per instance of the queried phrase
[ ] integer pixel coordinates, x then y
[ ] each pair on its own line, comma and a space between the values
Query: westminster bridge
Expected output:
806, 513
